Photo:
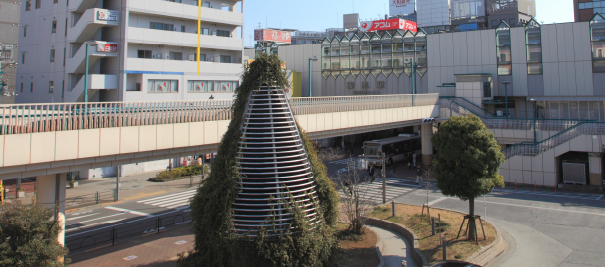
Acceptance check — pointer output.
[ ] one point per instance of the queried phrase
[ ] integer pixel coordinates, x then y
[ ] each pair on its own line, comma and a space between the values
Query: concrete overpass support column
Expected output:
51, 194
595, 169
426, 132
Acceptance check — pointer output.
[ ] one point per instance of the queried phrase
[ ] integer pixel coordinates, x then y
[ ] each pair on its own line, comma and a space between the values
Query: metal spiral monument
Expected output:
272, 164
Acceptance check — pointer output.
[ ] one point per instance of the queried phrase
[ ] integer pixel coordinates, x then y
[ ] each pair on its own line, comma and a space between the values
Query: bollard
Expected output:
432, 226
444, 248
515, 184
190, 180
404, 263
393, 207
97, 197
534, 186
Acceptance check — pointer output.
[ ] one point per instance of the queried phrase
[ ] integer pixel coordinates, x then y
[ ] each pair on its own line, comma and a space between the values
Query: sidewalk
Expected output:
394, 248
151, 250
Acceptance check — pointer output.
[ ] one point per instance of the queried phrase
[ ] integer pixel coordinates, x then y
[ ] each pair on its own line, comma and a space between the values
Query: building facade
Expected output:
140, 50
585, 9
9, 35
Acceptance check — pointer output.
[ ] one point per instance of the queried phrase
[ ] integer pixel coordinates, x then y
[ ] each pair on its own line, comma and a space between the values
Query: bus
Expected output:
396, 149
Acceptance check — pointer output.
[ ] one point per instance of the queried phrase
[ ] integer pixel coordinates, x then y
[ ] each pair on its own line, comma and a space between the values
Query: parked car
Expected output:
452, 263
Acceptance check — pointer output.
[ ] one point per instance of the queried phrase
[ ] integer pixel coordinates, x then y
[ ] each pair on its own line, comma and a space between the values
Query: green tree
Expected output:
467, 161
28, 236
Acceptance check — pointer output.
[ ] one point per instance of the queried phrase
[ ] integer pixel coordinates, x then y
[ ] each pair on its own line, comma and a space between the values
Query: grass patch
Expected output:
178, 173
357, 250
429, 245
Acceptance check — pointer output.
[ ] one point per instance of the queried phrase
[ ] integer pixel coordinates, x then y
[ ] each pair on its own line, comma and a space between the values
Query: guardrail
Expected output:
34, 118
91, 199
114, 234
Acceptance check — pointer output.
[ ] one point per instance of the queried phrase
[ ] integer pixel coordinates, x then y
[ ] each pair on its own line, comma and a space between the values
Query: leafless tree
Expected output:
327, 154
353, 183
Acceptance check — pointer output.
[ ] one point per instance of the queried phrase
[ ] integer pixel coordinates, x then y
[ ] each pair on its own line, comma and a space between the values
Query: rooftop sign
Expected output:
389, 24
283, 37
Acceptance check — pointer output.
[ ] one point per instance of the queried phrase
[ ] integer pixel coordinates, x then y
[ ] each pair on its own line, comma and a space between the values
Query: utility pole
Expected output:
119, 172
384, 181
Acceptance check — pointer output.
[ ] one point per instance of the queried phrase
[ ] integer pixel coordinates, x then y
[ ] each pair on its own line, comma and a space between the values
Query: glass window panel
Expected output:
573, 111
503, 54
217, 86
344, 62
398, 60
387, 46
355, 48
554, 110
421, 60
335, 63
325, 62
598, 50
335, 48
598, 66
409, 57
503, 37
387, 61
564, 110
355, 64
365, 45
534, 68
584, 110
189, 86
593, 109
174, 86
504, 70
365, 61
534, 53
397, 43
226, 86
210, 86
420, 43
345, 48
150, 85
376, 61
325, 49
235, 86
601, 111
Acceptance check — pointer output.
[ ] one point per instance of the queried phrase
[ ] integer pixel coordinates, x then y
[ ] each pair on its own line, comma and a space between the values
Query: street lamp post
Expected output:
506, 83
535, 115
311, 59
88, 44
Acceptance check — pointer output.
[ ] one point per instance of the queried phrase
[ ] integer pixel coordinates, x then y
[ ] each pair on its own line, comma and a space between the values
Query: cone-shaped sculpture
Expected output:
271, 163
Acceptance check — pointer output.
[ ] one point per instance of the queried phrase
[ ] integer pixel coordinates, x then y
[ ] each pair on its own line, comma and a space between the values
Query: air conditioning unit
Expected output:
164, 55
191, 57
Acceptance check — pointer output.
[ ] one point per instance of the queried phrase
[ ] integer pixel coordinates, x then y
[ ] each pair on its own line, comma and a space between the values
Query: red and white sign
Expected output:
272, 36
107, 47
389, 24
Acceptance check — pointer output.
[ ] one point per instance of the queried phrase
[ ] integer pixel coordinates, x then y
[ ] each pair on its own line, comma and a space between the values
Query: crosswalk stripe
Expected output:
168, 200
166, 196
177, 200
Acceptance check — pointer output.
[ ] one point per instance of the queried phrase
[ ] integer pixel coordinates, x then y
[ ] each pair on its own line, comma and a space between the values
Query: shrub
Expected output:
177, 173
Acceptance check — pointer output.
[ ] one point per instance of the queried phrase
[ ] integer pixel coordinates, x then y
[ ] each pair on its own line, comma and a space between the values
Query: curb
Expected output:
417, 256
379, 248
489, 253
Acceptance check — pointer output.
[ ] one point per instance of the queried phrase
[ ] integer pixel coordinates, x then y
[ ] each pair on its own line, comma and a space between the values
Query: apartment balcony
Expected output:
77, 64
184, 11
95, 82
81, 5
90, 22
208, 70
160, 37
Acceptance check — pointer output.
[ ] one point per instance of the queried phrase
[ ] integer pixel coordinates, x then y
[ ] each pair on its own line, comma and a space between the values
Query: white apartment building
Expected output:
145, 50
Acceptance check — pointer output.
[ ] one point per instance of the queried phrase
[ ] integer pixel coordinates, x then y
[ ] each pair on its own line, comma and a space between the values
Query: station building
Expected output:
553, 73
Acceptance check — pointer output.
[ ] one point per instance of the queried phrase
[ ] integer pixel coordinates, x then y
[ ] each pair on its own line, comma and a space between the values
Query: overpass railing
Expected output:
34, 118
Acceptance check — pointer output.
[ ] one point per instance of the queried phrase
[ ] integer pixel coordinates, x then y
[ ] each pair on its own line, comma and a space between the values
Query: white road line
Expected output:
166, 197
164, 201
75, 218
129, 211
103, 217
437, 200
600, 197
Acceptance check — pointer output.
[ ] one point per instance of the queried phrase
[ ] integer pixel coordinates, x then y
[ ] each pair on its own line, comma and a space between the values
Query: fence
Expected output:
34, 118
91, 199
114, 234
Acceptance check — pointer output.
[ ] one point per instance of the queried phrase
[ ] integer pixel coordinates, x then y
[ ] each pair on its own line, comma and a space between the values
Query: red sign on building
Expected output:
389, 24
107, 47
272, 36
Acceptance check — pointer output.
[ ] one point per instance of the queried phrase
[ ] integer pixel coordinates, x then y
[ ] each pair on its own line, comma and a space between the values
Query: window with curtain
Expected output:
597, 41
533, 42
162, 86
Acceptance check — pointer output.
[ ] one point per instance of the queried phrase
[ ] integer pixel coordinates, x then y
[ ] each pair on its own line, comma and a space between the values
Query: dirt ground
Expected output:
430, 245
360, 252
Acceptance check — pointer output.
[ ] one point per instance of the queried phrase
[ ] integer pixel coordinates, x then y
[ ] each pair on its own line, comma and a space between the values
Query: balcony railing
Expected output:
34, 118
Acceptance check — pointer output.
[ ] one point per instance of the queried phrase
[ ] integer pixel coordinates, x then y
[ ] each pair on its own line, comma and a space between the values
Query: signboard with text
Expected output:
262, 35
104, 14
401, 7
107, 47
388, 24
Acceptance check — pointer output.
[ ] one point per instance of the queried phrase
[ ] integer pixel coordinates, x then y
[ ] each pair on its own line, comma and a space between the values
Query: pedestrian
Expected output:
410, 163
371, 171
5, 192
419, 176
414, 157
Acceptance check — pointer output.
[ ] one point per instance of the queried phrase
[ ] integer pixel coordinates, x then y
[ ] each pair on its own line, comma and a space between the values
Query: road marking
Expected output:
112, 203
129, 211
72, 210
600, 197
75, 218
437, 200
140, 195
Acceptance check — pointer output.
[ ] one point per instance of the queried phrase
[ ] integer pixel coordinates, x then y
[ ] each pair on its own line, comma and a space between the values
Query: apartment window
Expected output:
182, 28
23, 58
206, 4
54, 29
25, 31
28, 5
175, 56
144, 54
503, 49
162, 86
161, 26
52, 55
51, 86
223, 33
199, 86
65, 27
31, 87
225, 59
38, 4
137, 87
597, 35
534, 47
21, 87
487, 89
202, 57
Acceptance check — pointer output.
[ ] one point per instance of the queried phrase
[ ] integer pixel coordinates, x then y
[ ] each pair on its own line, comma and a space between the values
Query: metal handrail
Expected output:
50, 117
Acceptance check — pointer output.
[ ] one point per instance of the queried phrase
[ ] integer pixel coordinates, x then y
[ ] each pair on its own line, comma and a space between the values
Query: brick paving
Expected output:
151, 250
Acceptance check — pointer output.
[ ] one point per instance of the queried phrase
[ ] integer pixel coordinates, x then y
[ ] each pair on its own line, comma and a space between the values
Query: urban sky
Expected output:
318, 15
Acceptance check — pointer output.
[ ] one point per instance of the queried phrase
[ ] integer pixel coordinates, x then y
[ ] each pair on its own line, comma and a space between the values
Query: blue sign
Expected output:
468, 27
